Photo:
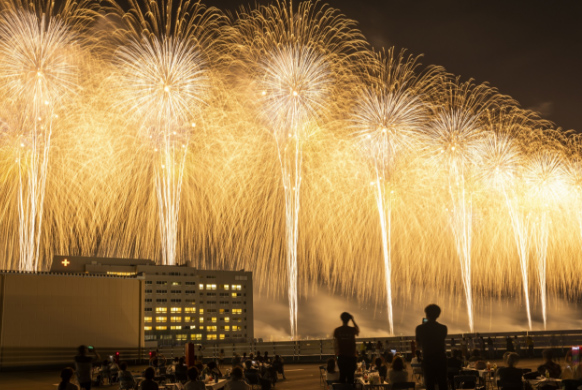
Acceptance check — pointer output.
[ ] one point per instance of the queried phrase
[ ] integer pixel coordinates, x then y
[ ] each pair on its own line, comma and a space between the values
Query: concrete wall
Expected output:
49, 312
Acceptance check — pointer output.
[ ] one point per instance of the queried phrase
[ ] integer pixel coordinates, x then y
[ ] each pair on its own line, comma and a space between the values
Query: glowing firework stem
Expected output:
519, 224
290, 157
461, 224
36, 73
541, 244
385, 211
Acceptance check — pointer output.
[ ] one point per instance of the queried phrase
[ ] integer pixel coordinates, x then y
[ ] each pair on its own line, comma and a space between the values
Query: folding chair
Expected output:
417, 372
474, 373
548, 386
342, 386
510, 386
403, 385
531, 375
571, 384
465, 381
380, 387
253, 379
322, 376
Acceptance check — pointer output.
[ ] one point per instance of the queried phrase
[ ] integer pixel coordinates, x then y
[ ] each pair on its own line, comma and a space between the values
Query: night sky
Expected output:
530, 50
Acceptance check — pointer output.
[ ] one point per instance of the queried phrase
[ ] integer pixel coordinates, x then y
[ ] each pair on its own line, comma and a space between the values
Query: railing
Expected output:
309, 350
303, 351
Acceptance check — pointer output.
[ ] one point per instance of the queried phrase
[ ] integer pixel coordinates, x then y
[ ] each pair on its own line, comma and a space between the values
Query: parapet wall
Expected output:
44, 317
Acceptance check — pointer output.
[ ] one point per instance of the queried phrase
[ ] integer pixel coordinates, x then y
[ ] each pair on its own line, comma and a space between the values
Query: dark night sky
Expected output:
531, 50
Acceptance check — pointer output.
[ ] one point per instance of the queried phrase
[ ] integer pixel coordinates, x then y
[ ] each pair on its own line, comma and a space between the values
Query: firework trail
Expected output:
500, 165
295, 55
453, 140
164, 79
545, 178
38, 48
388, 114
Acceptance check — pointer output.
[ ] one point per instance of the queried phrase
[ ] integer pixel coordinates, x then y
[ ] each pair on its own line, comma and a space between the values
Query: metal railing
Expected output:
292, 351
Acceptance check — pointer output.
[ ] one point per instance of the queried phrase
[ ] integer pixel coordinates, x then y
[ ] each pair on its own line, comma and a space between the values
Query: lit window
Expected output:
221, 311
201, 328
201, 287
201, 311
161, 319
211, 328
115, 273
236, 287
236, 311
182, 337
147, 319
211, 337
233, 295
201, 320
221, 337
186, 319
176, 319
176, 327
226, 319
161, 309
147, 328
236, 328
176, 283
161, 327
225, 287
197, 336
176, 310
227, 327
211, 286
190, 310
213, 319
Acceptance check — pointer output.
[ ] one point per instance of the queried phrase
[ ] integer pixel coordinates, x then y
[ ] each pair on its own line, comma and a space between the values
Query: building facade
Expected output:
44, 317
181, 304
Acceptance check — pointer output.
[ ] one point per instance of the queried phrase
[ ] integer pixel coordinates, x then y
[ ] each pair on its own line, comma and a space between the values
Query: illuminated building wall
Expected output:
50, 313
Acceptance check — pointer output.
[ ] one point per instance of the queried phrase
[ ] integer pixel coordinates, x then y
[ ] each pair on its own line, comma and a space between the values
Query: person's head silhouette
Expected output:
432, 312
345, 317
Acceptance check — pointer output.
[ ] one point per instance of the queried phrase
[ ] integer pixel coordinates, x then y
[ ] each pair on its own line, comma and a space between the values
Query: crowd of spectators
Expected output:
254, 369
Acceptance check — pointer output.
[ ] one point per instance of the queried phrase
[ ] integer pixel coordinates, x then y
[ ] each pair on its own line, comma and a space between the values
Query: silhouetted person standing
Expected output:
344, 338
430, 337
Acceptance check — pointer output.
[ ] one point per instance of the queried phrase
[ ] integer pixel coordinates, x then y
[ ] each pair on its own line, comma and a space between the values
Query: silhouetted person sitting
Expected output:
430, 337
181, 371
398, 372
251, 374
126, 380
148, 383
344, 338
381, 368
552, 368
510, 376
213, 371
66, 376
475, 356
454, 366
194, 383
236, 381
